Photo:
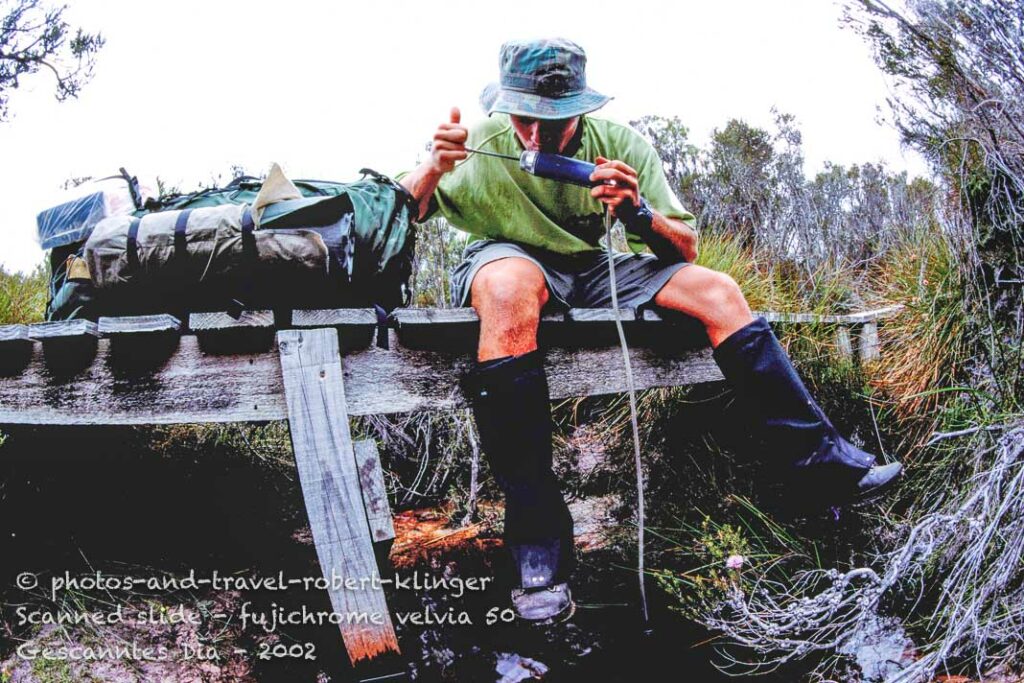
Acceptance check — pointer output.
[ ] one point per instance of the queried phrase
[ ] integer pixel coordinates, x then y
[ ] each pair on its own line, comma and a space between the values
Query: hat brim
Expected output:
494, 98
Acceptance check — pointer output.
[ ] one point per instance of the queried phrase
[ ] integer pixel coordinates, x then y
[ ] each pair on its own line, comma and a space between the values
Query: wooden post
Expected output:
220, 333
69, 346
15, 349
869, 342
843, 343
375, 494
318, 423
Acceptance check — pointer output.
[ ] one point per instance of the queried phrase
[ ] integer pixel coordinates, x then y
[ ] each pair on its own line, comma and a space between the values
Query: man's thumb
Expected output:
456, 115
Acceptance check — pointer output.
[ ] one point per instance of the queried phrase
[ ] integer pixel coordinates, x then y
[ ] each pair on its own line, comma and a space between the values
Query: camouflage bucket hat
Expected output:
543, 79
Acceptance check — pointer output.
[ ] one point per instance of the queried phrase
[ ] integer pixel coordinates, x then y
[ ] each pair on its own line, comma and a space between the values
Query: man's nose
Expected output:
534, 130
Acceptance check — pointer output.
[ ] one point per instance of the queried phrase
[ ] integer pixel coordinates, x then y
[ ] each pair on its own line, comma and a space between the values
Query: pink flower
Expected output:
735, 562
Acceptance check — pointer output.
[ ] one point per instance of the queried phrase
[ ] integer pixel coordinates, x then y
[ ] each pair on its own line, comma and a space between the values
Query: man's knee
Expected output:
723, 293
512, 287
702, 292
508, 295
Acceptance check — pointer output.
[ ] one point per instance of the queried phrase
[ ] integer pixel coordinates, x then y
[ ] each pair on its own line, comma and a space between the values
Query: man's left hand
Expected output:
624, 185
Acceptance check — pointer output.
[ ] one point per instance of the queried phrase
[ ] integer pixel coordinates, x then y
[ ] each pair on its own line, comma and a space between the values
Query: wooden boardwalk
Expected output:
318, 368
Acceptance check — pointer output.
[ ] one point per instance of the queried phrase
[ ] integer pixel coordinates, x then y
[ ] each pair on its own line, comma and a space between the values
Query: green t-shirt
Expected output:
494, 198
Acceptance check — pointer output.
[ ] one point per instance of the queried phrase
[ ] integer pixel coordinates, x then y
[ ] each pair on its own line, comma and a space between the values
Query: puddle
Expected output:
512, 668
880, 649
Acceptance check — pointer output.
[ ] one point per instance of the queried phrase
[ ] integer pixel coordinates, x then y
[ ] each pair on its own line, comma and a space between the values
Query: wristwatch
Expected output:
637, 219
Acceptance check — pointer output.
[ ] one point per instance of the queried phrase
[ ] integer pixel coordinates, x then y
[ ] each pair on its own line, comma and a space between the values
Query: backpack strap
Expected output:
180, 227
133, 188
248, 238
133, 244
249, 254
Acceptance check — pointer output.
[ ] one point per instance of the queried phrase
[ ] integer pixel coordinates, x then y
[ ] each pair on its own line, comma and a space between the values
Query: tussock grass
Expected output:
926, 348
23, 296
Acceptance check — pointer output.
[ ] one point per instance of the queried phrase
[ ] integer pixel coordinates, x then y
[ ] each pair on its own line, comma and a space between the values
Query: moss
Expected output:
52, 671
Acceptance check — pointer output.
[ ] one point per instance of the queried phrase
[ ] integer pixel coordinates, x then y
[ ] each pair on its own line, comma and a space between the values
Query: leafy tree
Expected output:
35, 37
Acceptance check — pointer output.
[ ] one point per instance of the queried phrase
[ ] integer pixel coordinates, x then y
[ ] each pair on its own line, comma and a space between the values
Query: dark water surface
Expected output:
82, 500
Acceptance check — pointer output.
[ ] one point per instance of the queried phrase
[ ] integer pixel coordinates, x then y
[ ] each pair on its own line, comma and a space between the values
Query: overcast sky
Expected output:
186, 89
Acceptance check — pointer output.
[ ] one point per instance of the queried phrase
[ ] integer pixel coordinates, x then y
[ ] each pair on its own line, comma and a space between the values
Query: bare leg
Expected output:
709, 296
508, 295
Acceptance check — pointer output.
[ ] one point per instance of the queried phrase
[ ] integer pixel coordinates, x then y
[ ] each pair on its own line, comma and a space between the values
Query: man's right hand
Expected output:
447, 148
449, 145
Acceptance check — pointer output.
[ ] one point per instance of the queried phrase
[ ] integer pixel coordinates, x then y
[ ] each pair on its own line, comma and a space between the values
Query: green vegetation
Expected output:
52, 670
23, 297
944, 397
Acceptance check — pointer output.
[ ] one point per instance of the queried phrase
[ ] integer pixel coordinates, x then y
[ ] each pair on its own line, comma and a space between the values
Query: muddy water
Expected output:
604, 641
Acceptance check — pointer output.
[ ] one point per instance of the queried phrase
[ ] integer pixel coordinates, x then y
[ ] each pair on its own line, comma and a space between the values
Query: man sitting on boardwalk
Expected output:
535, 243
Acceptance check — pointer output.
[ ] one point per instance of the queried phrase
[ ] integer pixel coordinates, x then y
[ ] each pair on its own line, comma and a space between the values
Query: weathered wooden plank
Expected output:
332, 317
63, 329
656, 315
600, 315
455, 329
433, 316
375, 493
404, 380
14, 334
206, 322
161, 323
846, 319
458, 329
872, 315
805, 318
219, 333
189, 386
193, 386
451, 316
651, 315
318, 423
355, 325
69, 346
140, 344
15, 349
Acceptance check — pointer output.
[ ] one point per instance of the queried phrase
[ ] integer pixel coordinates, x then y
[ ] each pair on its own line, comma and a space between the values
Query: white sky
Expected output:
185, 89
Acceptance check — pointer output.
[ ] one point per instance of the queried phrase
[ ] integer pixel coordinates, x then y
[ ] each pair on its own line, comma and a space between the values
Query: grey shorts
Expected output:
578, 281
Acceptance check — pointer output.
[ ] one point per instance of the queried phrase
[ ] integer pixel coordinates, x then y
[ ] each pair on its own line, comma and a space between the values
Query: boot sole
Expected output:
878, 492
559, 618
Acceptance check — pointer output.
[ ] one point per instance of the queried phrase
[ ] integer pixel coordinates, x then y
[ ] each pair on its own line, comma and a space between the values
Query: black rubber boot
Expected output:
809, 453
512, 409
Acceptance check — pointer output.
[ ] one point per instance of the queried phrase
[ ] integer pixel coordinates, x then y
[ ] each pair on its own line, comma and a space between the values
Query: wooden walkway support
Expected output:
324, 455
318, 368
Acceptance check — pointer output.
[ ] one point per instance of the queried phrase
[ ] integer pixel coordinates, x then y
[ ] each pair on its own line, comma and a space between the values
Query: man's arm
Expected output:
448, 147
671, 234
667, 237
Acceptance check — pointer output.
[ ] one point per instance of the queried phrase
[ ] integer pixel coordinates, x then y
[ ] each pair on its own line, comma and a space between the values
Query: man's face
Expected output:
544, 135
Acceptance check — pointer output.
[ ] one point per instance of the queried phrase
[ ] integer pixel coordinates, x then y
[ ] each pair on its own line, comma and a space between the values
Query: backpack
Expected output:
340, 245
